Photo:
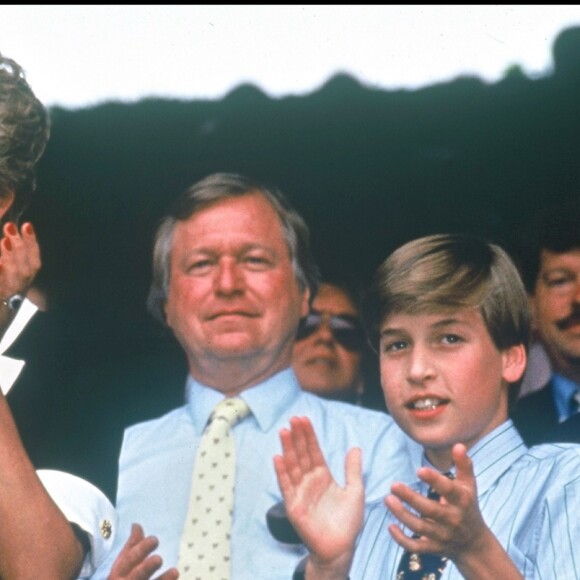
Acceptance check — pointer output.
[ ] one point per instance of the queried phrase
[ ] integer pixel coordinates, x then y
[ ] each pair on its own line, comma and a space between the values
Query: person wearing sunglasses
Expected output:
328, 353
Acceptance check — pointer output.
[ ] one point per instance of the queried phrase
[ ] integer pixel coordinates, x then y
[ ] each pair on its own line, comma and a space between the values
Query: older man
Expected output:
551, 268
233, 276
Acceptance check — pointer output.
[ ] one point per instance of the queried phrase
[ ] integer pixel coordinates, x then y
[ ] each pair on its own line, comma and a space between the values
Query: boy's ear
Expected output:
514, 363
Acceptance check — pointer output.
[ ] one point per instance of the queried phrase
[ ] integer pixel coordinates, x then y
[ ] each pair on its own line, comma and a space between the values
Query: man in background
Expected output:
551, 271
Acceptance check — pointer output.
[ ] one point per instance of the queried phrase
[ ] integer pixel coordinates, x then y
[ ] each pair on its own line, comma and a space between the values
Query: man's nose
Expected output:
229, 277
576, 292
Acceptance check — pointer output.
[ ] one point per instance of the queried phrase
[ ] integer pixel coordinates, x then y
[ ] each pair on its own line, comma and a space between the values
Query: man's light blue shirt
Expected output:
564, 390
529, 498
157, 457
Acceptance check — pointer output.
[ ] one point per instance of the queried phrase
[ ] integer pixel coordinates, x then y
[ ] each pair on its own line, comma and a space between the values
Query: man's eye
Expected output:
256, 261
552, 282
200, 264
557, 280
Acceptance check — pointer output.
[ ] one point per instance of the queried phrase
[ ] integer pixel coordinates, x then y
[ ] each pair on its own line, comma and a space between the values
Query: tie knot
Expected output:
232, 410
432, 494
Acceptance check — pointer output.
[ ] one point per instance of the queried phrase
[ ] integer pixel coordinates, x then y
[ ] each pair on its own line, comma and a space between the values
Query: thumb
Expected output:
463, 463
353, 467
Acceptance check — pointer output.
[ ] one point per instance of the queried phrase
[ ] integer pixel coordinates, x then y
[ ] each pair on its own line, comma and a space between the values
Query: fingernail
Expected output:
7, 244
28, 229
11, 229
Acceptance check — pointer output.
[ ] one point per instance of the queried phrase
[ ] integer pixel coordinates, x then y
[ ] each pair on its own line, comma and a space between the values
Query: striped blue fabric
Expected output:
530, 499
157, 457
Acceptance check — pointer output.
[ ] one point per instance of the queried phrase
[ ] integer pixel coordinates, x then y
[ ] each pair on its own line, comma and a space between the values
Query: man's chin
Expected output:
233, 346
569, 351
573, 358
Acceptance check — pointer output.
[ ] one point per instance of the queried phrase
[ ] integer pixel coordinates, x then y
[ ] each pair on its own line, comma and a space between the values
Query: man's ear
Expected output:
359, 387
514, 363
305, 306
6, 202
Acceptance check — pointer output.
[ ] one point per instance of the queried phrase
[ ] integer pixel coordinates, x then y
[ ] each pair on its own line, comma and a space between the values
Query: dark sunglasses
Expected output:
346, 330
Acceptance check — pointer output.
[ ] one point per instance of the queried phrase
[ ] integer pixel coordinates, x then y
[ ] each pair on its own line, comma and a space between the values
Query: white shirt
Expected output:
10, 368
85, 505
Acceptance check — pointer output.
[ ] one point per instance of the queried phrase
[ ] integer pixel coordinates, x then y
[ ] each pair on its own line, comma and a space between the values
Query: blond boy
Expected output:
448, 314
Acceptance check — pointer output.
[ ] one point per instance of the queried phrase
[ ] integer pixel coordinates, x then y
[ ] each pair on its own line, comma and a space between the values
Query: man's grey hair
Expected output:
203, 194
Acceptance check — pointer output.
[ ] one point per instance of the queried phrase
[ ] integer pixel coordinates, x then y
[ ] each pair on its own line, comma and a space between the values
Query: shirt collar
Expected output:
10, 368
267, 400
495, 453
492, 455
25, 313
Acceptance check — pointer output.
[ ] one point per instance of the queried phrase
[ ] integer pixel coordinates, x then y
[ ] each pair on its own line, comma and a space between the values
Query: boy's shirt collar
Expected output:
492, 455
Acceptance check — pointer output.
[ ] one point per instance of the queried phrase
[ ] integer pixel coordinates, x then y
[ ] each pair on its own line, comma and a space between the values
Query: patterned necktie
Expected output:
415, 566
204, 553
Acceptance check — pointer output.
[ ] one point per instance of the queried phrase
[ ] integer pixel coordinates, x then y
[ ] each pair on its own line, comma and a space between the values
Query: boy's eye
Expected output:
394, 346
451, 339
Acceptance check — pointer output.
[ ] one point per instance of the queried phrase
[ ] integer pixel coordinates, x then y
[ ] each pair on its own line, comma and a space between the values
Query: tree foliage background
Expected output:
368, 169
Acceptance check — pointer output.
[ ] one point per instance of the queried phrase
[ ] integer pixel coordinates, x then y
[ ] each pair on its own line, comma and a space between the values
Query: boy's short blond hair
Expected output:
449, 272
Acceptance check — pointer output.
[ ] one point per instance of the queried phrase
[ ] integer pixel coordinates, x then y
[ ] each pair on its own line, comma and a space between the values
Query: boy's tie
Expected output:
415, 566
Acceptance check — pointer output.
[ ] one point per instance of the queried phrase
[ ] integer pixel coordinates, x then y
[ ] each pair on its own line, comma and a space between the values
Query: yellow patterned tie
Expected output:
204, 552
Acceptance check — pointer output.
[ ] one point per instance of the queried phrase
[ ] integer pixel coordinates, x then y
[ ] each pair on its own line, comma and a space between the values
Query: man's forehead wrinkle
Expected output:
227, 248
